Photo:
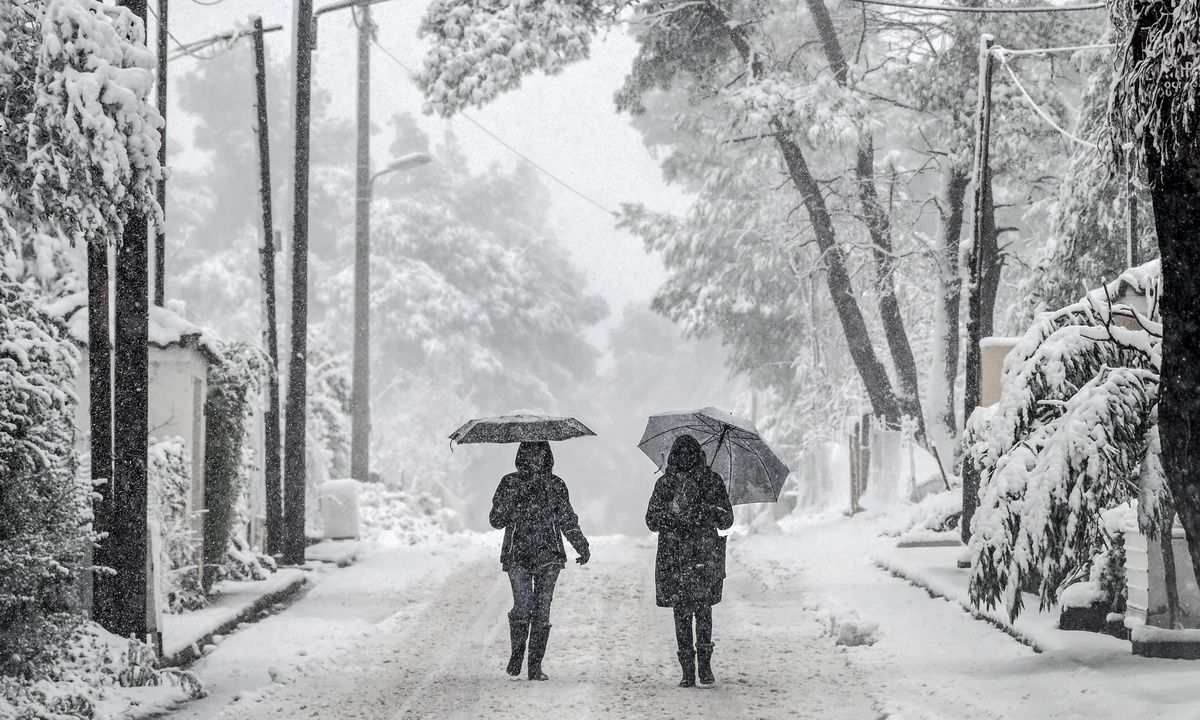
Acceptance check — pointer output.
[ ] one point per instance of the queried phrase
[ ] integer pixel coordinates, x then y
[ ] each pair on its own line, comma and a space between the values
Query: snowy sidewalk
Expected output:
935, 660
934, 569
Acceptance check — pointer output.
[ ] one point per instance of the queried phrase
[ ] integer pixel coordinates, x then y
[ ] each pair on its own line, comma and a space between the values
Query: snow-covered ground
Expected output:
809, 628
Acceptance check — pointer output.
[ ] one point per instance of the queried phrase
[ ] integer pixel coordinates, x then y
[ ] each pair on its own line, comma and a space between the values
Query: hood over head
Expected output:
535, 457
686, 454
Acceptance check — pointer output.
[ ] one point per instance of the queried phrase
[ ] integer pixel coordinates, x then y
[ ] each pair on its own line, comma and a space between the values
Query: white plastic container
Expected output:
339, 509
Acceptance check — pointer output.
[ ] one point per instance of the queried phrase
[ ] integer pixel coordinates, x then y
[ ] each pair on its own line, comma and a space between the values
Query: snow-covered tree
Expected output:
476, 309
1074, 434
44, 510
727, 57
1088, 217
169, 474
754, 85
1153, 113
78, 139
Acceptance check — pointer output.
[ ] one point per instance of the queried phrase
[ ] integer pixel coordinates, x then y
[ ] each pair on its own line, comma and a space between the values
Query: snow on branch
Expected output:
1074, 434
78, 136
481, 48
1157, 91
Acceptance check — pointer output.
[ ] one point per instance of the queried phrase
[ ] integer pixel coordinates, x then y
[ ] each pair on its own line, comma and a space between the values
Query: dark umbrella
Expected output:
519, 428
732, 445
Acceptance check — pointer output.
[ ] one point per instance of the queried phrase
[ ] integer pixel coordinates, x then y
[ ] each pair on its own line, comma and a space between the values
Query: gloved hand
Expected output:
584, 556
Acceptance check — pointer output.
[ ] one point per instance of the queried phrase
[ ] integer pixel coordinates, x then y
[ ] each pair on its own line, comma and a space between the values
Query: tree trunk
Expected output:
944, 371
1175, 191
878, 229
841, 291
1166, 544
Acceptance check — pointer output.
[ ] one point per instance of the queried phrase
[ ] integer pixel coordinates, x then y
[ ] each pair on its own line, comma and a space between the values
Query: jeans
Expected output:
683, 628
532, 593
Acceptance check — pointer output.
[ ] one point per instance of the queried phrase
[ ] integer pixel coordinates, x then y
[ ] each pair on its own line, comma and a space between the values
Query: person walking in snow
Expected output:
534, 509
688, 506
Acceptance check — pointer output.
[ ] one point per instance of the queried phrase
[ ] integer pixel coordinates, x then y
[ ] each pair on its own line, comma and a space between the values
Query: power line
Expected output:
982, 10
578, 193
181, 47
1001, 54
1046, 51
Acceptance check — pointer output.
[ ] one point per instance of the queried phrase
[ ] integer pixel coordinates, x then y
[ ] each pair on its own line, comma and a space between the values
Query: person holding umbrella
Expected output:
690, 503
533, 508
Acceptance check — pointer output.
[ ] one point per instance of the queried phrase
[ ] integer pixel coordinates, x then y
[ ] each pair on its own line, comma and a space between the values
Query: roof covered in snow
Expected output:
167, 328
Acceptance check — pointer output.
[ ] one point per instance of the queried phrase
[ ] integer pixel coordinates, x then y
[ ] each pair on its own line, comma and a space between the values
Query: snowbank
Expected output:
391, 517
848, 629
102, 677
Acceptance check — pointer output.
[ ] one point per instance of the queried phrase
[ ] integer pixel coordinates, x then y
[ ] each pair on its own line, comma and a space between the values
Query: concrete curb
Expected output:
286, 595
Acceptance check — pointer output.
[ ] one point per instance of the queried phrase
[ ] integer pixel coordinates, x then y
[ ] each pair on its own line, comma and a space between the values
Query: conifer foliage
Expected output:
1074, 434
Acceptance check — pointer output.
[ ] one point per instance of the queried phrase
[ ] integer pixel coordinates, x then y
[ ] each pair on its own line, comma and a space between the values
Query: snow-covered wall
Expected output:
1145, 578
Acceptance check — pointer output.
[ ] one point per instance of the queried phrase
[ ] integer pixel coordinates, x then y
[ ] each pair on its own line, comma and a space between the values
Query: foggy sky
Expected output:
565, 123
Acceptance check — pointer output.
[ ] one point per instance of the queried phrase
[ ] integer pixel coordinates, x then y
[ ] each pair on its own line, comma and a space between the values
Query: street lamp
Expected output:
360, 382
408, 162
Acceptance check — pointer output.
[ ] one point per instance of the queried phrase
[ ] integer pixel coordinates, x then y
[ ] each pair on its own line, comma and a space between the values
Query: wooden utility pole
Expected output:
1131, 206
160, 229
983, 237
129, 537
100, 421
294, 411
360, 391
271, 464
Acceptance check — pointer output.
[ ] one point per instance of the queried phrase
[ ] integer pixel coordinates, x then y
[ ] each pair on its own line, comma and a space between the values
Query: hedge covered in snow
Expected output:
44, 510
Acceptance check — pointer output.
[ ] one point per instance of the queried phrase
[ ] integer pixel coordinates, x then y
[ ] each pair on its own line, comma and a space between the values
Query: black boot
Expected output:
687, 663
704, 663
686, 654
518, 632
538, 636
704, 645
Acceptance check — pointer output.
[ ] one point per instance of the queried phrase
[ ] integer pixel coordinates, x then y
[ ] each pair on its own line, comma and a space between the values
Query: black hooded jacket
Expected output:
534, 508
688, 506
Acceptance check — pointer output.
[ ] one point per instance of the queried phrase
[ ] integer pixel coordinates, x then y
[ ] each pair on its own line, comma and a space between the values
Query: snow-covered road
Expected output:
421, 633
611, 654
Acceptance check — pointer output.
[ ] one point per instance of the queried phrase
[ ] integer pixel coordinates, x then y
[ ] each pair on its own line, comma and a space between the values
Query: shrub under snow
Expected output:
1074, 434
44, 510
394, 517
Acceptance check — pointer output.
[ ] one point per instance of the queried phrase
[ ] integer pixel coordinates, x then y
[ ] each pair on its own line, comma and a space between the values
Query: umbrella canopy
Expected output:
732, 446
519, 428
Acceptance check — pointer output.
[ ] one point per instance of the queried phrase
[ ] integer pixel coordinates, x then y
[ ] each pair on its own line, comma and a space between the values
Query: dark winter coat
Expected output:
533, 507
688, 506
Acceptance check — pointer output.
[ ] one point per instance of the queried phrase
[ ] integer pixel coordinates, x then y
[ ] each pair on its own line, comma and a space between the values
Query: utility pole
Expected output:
160, 230
271, 465
360, 392
1131, 229
100, 422
129, 538
983, 236
294, 411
